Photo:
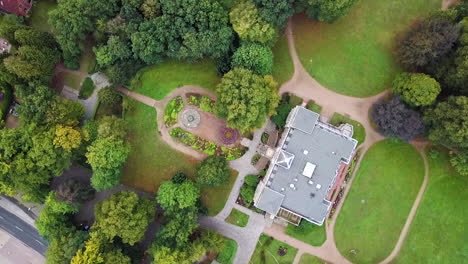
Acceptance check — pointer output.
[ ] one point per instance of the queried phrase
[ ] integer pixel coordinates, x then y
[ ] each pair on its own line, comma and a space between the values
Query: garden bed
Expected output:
205, 146
202, 102
171, 113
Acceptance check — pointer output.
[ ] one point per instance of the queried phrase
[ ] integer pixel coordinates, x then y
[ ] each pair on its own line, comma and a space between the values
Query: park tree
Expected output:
416, 89
72, 20
33, 37
64, 112
109, 96
394, 119
250, 25
106, 157
73, 191
246, 99
177, 231
62, 249
124, 215
35, 104
54, 220
111, 127
427, 43
275, 12
115, 49
174, 197
67, 137
255, 57
98, 250
150, 8
187, 29
213, 171
123, 71
459, 161
328, 10
448, 122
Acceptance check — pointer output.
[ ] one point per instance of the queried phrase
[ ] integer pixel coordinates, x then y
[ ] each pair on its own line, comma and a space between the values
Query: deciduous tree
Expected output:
255, 57
275, 12
395, 119
213, 171
67, 137
328, 10
175, 197
62, 249
459, 161
448, 122
246, 99
416, 89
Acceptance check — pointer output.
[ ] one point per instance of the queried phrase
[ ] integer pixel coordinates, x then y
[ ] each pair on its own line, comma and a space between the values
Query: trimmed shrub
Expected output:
252, 180
87, 88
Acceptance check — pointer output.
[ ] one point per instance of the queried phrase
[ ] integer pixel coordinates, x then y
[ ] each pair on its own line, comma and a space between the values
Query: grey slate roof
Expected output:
314, 142
271, 201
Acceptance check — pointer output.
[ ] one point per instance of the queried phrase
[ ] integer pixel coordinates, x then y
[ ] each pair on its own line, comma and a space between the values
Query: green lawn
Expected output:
267, 249
228, 252
38, 14
307, 232
309, 259
88, 59
71, 80
379, 201
159, 80
359, 131
152, 161
438, 234
283, 67
237, 218
353, 56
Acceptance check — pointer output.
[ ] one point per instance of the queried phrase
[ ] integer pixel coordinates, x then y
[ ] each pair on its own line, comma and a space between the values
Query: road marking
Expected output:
19, 229
39, 242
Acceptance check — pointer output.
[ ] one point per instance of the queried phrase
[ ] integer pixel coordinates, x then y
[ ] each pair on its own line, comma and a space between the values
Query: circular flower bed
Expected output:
228, 135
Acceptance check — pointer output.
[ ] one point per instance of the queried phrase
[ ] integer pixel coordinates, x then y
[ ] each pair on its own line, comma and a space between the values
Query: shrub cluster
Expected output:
247, 191
171, 113
205, 146
202, 102
87, 88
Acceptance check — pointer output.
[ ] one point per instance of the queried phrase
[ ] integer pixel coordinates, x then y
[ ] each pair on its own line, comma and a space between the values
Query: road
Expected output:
22, 231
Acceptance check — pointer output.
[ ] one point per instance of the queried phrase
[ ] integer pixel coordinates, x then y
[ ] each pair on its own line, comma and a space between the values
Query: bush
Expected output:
213, 171
255, 57
87, 88
202, 102
312, 106
265, 137
282, 113
205, 146
255, 159
247, 194
251, 180
171, 113
109, 96
460, 162
295, 100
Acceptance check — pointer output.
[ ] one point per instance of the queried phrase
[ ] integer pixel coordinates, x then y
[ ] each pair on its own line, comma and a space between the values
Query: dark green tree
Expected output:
255, 57
275, 12
459, 161
328, 10
62, 249
213, 171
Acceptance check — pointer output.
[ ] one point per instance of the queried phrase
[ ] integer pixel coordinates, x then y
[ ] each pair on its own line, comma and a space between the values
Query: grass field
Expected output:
379, 201
267, 249
152, 161
359, 131
283, 67
237, 218
159, 80
39, 16
309, 259
438, 234
308, 233
71, 80
228, 252
353, 56
88, 58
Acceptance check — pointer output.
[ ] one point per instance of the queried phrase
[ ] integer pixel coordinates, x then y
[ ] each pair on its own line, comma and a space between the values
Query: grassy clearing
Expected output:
88, 59
438, 233
379, 201
307, 232
38, 14
159, 80
237, 218
228, 252
71, 80
152, 161
309, 259
283, 67
354, 55
267, 251
359, 131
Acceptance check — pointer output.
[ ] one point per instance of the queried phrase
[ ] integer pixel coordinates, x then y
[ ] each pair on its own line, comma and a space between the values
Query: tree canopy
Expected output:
448, 122
177, 196
275, 12
460, 161
124, 215
255, 57
395, 119
328, 10
416, 89
213, 171
246, 99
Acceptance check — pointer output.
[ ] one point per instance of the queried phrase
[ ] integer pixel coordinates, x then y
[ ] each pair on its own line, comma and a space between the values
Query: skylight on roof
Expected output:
309, 170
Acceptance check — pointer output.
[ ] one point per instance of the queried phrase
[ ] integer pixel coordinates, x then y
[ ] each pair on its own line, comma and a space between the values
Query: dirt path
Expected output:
417, 202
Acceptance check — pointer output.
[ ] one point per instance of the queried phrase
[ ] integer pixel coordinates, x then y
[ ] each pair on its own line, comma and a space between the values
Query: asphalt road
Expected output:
22, 231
